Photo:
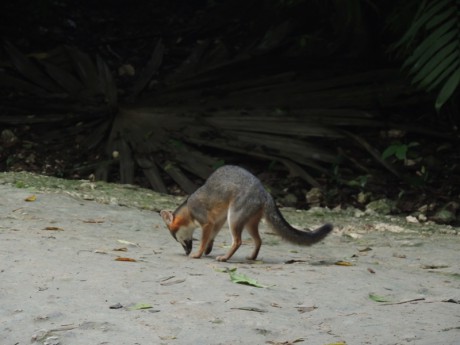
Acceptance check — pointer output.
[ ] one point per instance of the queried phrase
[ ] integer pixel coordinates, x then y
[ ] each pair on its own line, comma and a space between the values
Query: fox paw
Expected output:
195, 255
221, 258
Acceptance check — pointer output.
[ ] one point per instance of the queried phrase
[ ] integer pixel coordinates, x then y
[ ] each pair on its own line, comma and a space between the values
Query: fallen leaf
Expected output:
172, 282
225, 269
122, 249
406, 301
53, 228
304, 309
239, 278
371, 270
128, 243
257, 310
171, 337
94, 221
140, 306
287, 342
100, 251
434, 267
343, 263
293, 261
338, 343
31, 198
116, 306
377, 298
367, 249
125, 259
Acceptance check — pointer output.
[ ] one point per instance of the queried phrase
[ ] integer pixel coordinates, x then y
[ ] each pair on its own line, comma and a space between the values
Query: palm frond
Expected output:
434, 63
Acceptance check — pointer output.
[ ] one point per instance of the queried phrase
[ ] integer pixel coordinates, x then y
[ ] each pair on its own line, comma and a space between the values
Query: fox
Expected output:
232, 194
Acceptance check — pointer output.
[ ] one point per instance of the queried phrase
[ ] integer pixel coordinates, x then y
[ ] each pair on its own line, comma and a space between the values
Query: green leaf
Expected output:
440, 72
401, 152
139, 306
390, 151
377, 298
448, 89
427, 47
240, 278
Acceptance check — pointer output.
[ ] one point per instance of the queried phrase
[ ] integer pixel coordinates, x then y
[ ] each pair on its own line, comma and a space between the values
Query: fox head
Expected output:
181, 227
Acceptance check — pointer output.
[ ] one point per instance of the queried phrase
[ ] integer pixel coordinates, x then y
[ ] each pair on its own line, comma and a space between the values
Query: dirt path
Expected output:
59, 281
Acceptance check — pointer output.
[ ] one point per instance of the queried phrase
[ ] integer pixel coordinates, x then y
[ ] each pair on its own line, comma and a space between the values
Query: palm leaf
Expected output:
434, 62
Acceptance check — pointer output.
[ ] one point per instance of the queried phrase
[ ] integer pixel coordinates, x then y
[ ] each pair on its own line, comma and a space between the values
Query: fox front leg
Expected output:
206, 237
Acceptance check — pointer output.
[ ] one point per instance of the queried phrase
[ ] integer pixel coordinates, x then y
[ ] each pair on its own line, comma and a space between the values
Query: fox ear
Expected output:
167, 216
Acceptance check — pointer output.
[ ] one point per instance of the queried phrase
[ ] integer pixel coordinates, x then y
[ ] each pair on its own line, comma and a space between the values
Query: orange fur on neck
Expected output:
178, 222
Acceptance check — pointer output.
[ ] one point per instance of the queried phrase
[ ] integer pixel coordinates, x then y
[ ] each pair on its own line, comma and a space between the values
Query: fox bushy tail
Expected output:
277, 222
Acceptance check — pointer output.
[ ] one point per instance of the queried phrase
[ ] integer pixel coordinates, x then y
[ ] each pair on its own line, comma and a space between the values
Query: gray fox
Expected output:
232, 193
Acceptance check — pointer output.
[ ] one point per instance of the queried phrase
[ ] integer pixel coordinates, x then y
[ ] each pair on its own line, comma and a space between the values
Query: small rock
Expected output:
444, 216
289, 200
358, 214
363, 197
421, 217
314, 197
87, 186
381, 206
411, 219
8, 138
30, 159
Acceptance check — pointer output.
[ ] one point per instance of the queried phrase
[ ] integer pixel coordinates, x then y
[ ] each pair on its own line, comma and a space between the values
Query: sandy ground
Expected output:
60, 283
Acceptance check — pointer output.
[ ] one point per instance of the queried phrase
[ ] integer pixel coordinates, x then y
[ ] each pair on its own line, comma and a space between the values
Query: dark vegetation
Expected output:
343, 101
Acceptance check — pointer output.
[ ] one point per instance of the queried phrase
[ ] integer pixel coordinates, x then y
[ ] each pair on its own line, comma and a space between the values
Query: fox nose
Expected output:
188, 246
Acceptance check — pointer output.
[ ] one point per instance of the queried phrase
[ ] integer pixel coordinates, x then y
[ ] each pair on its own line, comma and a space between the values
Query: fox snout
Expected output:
186, 244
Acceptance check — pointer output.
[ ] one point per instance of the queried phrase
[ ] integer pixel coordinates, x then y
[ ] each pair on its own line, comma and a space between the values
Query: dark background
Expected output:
320, 99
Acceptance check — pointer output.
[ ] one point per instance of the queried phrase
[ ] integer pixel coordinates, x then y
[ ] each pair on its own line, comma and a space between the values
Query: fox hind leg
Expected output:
237, 221
236, 226
253, 229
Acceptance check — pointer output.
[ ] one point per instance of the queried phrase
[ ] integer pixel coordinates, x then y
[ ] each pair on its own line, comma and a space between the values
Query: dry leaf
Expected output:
125, 259
434, 267
371, 270
172, 282
343, 263
257, 310
122, 249
292, 261
304, 309
128, 243
94, 221
53, 228
377, 298
31, 198
287, 342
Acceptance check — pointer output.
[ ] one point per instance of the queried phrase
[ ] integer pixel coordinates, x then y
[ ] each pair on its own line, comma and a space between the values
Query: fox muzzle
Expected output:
187, 246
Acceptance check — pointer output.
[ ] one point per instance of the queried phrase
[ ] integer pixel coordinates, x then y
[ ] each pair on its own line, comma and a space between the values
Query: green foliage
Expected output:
433, 40
398, 150
359, 182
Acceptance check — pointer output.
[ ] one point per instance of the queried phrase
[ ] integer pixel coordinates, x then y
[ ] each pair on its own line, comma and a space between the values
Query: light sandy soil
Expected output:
59, 279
